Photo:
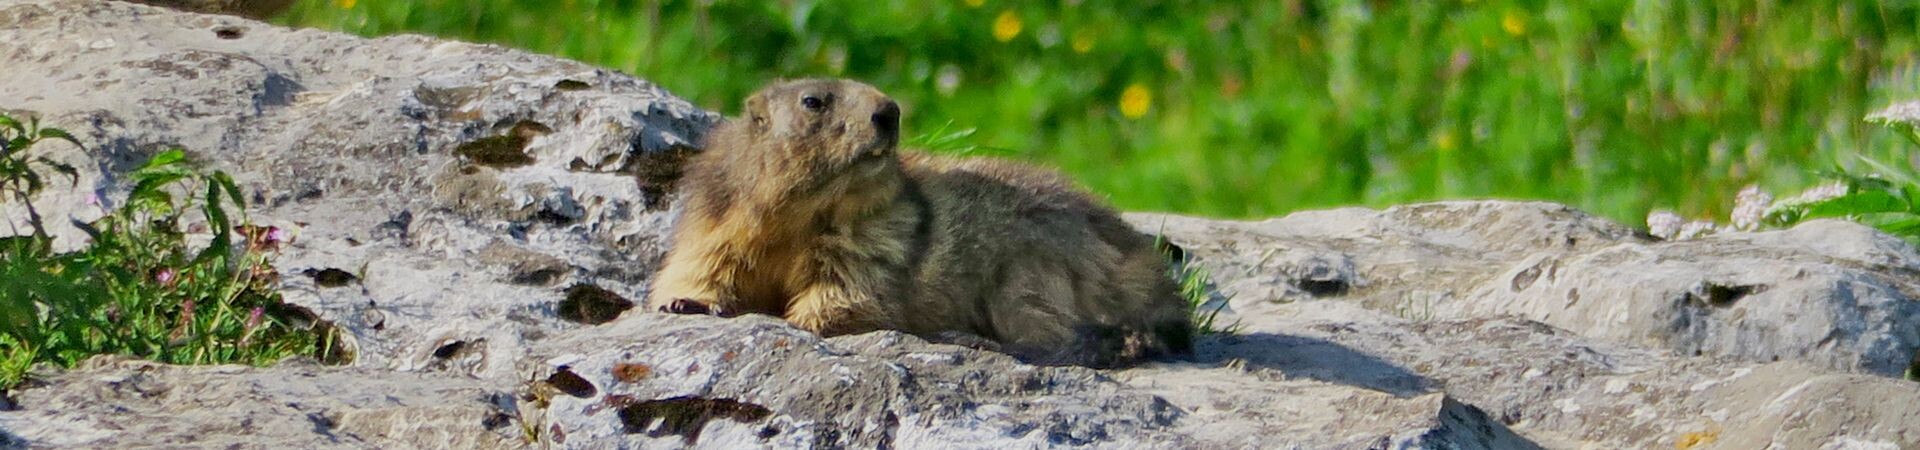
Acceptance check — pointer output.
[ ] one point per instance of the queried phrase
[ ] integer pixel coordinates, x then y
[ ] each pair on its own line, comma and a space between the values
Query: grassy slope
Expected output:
1250, 108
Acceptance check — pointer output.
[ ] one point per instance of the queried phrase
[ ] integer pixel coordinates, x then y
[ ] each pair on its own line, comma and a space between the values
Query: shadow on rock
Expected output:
9, 441
1311, 358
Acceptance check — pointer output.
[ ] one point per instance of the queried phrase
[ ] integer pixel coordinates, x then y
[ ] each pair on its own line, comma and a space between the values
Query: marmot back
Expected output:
803, 208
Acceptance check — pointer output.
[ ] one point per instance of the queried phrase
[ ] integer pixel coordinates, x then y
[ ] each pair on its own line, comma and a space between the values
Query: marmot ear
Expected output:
756, 113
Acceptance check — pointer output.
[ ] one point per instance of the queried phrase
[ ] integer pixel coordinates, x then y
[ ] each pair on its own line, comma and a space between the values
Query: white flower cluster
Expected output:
1750, 209
1907, 113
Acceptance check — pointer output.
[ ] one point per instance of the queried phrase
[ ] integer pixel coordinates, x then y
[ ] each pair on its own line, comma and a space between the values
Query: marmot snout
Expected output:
803, 208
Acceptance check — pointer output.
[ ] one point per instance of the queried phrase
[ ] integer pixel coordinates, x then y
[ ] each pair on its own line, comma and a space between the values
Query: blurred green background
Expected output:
1255, 108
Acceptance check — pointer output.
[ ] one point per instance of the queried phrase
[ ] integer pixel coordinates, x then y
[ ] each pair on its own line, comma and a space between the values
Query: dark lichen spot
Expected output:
592, 305
496, 151
571, 383
571, 85
496, 420
330, 277
768, 432
1322, 287
559, 434
449, 349
229, 32
555, 218
541, 276
1721, 295
506, 150
685, 416
658, 173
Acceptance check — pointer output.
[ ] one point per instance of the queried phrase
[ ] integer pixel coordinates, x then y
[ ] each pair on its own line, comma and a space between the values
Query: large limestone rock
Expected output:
495, 211
114, 403
450, 180
257, 9
1834, 294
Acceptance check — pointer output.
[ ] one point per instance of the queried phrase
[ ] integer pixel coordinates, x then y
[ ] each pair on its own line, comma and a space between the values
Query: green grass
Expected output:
138, 287
1252, 108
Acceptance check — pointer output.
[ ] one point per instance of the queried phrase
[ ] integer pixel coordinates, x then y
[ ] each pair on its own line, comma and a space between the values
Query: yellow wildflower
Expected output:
975, 3
1083, 41
346, 4
1135, 101
1444, 141
1007, 26
1514, 23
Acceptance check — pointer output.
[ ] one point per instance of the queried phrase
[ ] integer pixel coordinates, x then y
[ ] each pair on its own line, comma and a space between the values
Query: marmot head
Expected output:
829, 126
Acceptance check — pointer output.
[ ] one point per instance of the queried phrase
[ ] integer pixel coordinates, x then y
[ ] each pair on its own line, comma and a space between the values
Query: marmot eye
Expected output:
812, 103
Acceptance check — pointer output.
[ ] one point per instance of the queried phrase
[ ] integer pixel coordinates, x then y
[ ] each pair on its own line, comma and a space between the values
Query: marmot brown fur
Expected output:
804, 209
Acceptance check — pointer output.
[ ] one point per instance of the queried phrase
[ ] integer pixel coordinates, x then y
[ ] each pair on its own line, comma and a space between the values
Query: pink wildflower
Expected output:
253, 323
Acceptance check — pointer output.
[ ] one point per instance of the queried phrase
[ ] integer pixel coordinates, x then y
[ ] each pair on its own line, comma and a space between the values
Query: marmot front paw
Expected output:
689, 306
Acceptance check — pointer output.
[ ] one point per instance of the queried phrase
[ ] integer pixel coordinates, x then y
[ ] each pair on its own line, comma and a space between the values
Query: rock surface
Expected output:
1834, 294
495, 210
257, 9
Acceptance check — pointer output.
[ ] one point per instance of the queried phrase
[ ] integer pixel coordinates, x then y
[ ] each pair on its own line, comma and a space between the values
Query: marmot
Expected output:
805, 209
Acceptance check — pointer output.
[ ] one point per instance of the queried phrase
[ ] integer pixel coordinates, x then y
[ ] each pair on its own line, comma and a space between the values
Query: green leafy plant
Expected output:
142, 286
952, 140
1883, 195
18, 178
1196, 286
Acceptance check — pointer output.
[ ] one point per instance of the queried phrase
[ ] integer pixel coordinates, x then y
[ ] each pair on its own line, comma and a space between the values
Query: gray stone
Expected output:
116, 403
1830, 293
256, 9
755, 381
1304, 367
367, 150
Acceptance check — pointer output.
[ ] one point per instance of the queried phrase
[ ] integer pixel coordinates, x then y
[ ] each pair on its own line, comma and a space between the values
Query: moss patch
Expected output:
658, 173
330, 277
506, 150
685, 416
592, 305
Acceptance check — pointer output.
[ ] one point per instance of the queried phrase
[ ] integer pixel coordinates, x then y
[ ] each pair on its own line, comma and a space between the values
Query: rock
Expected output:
1551, 386
656, 381
464, 186
255, 9
479, 222
116, 403
1834, 294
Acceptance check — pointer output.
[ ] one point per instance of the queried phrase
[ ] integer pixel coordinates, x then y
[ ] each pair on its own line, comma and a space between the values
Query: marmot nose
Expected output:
887, 117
